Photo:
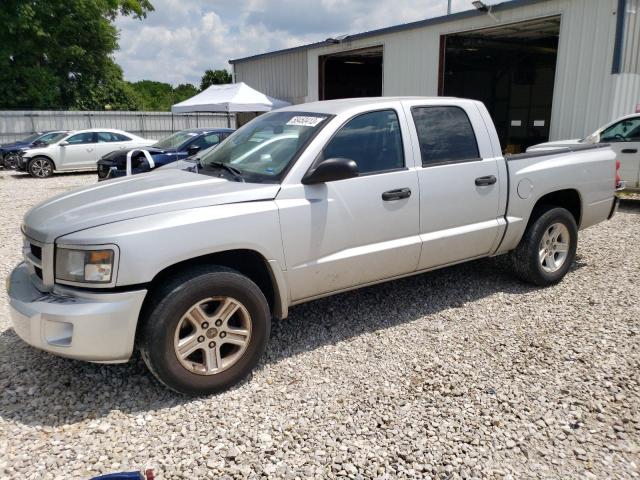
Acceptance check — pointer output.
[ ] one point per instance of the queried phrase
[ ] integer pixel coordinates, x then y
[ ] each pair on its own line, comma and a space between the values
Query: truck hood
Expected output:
136, 196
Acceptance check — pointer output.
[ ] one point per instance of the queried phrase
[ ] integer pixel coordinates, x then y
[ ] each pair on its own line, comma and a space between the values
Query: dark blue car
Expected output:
9, 152
175, 147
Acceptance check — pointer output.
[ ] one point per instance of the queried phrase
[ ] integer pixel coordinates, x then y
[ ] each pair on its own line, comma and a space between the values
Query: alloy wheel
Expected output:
212, 335
553, 249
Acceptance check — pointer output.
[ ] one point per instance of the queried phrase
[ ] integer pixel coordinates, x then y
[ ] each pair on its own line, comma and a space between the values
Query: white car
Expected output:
623, 135
77, 150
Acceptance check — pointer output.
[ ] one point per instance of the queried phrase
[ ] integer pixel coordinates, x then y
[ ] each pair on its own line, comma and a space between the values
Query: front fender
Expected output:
150, 244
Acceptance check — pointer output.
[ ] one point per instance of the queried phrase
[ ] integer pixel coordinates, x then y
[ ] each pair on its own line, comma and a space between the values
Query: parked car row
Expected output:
10, 152
178, 146
44, 153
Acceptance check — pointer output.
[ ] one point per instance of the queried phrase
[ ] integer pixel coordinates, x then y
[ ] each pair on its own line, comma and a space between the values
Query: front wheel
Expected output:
548, 247
205, 330
40, 167
11, 161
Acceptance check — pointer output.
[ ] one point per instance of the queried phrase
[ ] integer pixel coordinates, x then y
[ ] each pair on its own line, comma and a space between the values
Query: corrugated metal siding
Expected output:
631, 48
586, 95
283, 76
626, 91
584, 85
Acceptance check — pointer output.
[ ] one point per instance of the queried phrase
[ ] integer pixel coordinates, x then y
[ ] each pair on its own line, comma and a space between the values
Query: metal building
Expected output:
546, 69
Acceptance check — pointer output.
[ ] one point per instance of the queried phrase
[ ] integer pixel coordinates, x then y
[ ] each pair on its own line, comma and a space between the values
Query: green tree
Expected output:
159, 96
57, 54
214, 77
184, 91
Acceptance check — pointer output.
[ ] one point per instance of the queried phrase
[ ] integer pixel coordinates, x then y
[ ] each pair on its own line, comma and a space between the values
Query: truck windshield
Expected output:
262, 150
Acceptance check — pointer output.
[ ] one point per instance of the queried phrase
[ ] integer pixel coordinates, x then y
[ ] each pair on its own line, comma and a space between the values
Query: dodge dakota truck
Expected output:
190, 265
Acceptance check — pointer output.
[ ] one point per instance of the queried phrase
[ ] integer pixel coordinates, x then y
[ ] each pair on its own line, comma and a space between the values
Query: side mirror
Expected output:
64, 143
192, 150
331, 170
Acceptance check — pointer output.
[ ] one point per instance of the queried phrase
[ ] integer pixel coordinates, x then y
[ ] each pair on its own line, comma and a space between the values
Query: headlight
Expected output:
85, 266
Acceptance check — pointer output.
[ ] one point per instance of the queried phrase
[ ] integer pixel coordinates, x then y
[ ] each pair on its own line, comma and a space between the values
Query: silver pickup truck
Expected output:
191, 264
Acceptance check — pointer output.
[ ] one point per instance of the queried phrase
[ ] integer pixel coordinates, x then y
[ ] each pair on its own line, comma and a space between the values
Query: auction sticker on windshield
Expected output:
305, 121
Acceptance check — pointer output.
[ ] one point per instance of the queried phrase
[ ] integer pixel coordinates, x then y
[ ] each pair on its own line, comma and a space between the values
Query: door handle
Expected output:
630, 150
397, 194
484, 181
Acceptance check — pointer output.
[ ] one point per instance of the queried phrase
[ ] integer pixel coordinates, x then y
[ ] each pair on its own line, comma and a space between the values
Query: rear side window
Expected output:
373, 140
111, 137
445, 135
120, 138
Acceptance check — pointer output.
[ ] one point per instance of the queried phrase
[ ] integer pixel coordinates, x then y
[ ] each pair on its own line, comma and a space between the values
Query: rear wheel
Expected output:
205, 330
40, 167
548, 247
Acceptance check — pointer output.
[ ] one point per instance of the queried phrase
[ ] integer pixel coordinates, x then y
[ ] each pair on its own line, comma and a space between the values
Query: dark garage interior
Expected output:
355, 73
512, 70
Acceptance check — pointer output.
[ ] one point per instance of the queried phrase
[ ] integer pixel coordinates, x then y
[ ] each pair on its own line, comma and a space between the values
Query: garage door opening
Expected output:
512, 70
355, 73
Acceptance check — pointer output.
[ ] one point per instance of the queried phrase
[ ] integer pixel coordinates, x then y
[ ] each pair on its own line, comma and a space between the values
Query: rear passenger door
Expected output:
107, 142
459, 184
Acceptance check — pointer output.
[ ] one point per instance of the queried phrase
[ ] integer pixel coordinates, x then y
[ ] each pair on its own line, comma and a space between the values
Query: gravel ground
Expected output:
459, 373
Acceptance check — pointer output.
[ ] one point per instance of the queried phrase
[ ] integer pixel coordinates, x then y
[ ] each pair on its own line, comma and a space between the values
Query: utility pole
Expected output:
448, 7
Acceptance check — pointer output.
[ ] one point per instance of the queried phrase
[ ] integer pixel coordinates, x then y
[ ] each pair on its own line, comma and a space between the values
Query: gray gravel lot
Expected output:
459, 373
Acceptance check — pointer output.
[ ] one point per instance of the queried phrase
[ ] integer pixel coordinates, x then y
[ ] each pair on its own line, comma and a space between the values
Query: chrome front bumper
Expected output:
96, 327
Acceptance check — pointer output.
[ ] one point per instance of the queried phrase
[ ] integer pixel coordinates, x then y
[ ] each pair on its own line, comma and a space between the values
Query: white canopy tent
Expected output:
229, 98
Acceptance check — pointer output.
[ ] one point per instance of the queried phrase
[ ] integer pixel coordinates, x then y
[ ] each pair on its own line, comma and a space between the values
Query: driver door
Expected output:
79, 153
624, 138
347, 233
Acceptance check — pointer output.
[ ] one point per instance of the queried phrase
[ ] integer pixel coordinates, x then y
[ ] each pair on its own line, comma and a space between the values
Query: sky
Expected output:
182, 38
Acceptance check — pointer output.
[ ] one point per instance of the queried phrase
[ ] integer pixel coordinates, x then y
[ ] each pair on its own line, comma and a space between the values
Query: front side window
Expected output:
624, 131
445, 135
263, 149
373, 140
86, 137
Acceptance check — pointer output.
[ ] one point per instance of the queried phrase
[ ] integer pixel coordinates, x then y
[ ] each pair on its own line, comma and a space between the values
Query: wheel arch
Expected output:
568, 199
42, 155
264, 273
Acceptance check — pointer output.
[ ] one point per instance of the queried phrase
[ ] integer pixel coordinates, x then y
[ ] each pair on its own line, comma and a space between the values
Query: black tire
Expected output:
11, 161
169, 303
40, 167
525, 258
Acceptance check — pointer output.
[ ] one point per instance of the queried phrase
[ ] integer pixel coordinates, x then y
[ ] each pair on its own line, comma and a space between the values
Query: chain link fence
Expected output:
18, 124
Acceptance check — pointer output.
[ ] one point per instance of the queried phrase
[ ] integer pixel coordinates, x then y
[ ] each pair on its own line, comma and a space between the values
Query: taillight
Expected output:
618, 179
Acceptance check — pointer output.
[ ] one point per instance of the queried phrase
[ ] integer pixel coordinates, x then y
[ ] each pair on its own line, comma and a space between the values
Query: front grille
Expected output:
36, 251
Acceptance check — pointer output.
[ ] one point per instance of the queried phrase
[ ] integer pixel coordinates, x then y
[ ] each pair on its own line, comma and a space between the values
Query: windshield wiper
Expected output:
237, 173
